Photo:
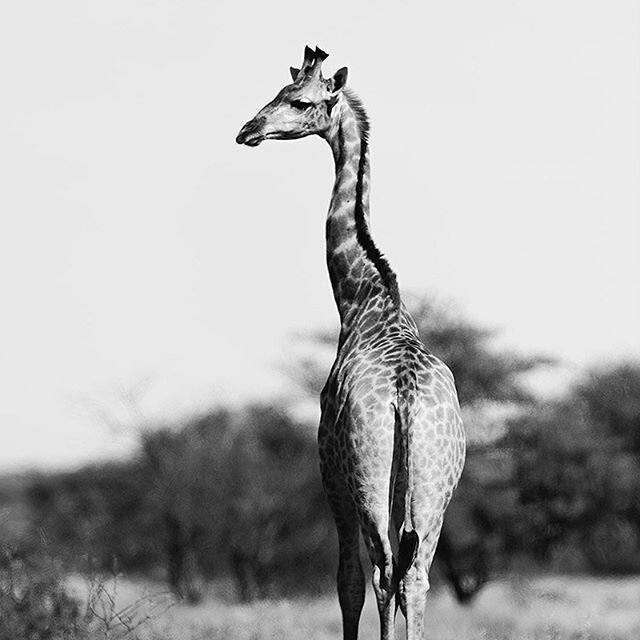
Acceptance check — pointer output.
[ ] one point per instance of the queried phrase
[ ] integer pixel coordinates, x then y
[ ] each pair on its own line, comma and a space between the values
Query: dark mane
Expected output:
358, 111
362, 228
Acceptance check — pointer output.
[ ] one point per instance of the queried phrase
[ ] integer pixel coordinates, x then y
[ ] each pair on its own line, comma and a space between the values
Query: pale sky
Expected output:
145, 255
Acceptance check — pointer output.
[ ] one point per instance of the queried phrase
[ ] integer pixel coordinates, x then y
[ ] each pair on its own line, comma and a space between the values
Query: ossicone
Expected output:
313, 59
311, 66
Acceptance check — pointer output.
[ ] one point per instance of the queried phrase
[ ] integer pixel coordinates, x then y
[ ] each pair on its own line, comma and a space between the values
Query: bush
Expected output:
578, 473
33, 600
280, 531
613, 546
99, 511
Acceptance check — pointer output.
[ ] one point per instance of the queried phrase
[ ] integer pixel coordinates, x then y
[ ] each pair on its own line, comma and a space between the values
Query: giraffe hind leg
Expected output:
385, 597
350, 582
414, 584
350, 579
412, 592
383, 578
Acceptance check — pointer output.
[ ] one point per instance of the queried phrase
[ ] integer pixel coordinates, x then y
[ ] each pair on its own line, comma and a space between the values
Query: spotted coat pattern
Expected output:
391, 440
390, 437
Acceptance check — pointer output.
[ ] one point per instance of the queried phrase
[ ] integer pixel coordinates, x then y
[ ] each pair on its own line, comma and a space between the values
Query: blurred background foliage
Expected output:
234, 495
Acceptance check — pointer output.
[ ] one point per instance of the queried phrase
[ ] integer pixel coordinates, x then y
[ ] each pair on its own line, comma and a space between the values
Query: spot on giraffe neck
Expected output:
362, 228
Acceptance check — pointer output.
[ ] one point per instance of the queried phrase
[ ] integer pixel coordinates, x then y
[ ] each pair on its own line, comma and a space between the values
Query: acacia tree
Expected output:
483, 371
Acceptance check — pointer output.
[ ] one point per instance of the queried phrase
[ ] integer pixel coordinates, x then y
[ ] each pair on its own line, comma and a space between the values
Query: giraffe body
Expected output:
390, 438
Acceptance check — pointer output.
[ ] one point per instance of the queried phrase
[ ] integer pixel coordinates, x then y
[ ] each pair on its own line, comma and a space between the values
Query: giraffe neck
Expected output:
357, 269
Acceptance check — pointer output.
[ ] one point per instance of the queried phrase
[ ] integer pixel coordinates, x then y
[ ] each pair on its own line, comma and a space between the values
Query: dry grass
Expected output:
550, 608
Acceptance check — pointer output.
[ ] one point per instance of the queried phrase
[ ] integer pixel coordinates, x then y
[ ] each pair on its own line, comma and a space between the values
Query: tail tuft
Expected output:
407, 552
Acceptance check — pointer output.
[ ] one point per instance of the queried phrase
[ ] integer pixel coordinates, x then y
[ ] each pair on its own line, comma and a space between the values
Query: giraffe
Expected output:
391, 440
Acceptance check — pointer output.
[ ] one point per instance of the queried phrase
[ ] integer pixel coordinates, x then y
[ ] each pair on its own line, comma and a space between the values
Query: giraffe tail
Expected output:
409, 538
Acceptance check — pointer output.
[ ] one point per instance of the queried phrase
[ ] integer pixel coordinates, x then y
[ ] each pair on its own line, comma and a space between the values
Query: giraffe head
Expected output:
301, 108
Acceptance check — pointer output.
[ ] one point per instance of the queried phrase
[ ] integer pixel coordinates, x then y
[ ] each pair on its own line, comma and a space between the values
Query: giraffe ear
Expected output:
294, 73
339, 80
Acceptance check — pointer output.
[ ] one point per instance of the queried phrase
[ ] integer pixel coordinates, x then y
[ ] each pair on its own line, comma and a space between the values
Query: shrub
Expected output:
33, 600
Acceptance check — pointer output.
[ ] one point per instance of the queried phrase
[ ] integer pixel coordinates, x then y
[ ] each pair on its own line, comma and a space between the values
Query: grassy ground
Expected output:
550, 608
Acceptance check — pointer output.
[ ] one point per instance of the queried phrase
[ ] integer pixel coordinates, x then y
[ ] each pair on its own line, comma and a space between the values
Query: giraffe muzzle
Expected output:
251, 134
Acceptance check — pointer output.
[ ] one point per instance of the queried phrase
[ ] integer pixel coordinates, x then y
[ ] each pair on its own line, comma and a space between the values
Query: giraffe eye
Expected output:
301, 105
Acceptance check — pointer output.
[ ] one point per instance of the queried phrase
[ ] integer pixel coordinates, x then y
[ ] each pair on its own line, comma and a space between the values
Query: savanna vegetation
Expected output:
229, 503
